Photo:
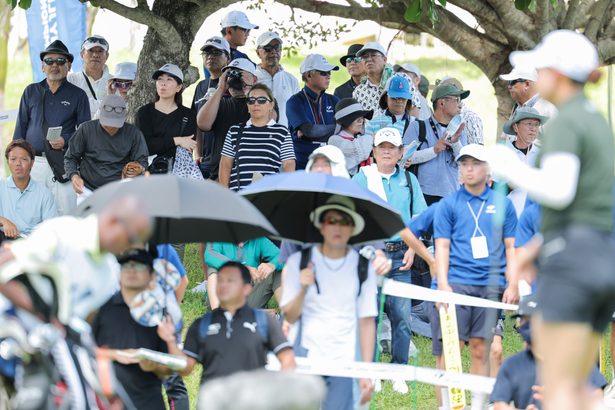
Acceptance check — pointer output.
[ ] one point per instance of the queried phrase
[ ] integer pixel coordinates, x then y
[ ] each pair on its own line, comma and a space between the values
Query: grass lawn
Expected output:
421, 396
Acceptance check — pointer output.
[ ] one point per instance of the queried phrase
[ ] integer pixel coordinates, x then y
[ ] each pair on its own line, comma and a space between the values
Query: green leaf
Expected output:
433, 14
414, 11
443, 2
25, 4
554, 4
94, 3
522, 4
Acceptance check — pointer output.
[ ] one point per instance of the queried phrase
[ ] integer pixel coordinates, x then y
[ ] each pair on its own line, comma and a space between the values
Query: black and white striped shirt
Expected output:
261, 149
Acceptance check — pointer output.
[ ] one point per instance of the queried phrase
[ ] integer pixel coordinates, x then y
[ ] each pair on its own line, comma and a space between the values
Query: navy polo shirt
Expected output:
68, 108
517, 376
306, 107
422, 224
454, 221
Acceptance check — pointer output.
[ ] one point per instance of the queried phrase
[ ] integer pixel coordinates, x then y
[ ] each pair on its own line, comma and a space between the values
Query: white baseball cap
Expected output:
372, 45
473, 150
267, 37
95, 41
242, 64
217, 42
316, 62
388, 134
526, 73
237, 18
566, 51
170, 69
125, 71
409, 67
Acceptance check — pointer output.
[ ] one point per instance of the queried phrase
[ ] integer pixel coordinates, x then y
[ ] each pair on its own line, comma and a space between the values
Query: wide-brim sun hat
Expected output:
523, 113
342, 204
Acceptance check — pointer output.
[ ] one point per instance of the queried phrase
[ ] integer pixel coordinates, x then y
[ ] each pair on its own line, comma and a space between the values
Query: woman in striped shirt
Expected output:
257, 148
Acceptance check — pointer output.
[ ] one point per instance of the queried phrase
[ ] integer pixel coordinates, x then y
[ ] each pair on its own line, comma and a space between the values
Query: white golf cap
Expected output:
267, 37
242, 64
409, 67
473, 150
316, 62
566, 51
526, 73
170, 69
125, 71
217, 42
388, 134
95, 41
372, 45
237, 18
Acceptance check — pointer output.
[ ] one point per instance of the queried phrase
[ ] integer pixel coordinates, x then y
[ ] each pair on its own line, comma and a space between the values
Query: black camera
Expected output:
234, 79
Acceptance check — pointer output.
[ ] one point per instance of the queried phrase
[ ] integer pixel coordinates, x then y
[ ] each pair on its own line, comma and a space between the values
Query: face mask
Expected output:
525, 332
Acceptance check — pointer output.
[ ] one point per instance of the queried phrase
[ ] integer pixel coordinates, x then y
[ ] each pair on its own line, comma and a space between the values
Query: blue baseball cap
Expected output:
399, 87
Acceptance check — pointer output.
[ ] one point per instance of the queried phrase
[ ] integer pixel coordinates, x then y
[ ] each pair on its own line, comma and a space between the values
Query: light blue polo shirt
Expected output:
398, 194
26, 209
440, 175
454, 221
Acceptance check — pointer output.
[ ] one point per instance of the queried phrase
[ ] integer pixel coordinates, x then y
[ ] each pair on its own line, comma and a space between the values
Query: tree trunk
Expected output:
505, 105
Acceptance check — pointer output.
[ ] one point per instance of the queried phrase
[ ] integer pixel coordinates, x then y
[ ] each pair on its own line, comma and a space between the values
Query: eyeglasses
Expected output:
269, 49
512, 83
324, 73
455, 99
139, 267
212, 52
369, 56
96, 40
109, 108
353, 60
259, 100
342, 221
122, 84
59, 61
530, 124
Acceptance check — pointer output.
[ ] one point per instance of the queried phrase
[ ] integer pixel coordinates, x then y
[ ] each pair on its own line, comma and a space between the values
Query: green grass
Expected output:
421, 396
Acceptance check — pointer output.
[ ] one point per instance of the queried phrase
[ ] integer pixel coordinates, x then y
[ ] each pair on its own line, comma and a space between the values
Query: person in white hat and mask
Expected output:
121, 82
236, 30
271, 73
576, 291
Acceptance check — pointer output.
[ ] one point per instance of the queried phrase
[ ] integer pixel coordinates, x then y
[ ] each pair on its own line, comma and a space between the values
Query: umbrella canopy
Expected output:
287, 199
186, 210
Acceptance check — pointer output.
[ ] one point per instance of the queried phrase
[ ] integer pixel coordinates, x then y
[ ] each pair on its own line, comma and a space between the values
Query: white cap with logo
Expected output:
476, 151
372, 45
566, 51
267, 37
237, 18
388, 134
242, 64
316, 62
217, 42
519, 72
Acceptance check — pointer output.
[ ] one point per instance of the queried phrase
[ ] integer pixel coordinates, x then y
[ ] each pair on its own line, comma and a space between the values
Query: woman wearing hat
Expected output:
525, 125
166, 124
121, 81
350, 134
396, 104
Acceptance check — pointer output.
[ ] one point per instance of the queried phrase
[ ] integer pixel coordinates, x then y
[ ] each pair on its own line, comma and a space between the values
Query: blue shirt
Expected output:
26, 209
529, 224
238, 54
387, 120
68, 108
454, 221
422, 224
398, 194
169, 254
306, 107
440, 175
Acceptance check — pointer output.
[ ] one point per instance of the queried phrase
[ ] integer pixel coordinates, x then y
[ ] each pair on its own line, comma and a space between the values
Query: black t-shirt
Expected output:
159, 128
517, 376
114, 328
232, 111
233, 345
198, 102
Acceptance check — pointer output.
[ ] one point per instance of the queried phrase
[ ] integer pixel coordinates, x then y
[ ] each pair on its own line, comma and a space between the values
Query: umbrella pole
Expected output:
378, 331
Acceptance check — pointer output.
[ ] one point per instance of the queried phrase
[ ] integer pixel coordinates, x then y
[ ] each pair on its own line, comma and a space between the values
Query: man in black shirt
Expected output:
356, 69
235, 339
114, 328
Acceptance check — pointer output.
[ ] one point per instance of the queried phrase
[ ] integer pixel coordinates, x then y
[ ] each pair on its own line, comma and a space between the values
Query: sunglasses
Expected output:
511, 83
96, 40
324, 73
109, 108
59, 61
269, 49
353, 60
139, 267
342, 221
122, 84
259, 100
212, 52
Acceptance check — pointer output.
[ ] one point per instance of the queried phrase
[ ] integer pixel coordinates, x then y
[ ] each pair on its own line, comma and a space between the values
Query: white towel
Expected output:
374, 180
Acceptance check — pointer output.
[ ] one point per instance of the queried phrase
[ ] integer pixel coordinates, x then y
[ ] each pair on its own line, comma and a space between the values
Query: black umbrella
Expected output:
287, 199
186, 210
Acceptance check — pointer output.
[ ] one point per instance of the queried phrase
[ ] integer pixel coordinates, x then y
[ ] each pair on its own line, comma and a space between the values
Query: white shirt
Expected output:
99, 86
71, 245
283, 84
518, 196
329, 318
544, 108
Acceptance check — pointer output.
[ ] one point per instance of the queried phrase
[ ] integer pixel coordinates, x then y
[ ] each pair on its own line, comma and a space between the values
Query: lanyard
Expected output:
433, 127
315, 108
476, 217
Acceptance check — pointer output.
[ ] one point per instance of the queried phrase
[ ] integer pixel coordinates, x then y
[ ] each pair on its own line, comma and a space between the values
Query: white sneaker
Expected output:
400, 386
377, 385
200, 288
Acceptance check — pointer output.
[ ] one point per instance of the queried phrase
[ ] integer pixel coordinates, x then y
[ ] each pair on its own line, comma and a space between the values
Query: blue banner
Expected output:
50, 20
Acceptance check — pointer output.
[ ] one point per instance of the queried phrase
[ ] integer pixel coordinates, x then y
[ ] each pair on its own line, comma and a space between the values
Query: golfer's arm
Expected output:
367, 338
443, 247
417, 246
224, 173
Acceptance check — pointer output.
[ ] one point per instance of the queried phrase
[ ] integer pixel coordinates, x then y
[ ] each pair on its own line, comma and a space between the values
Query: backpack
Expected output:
414, 168
363, 265
262, 325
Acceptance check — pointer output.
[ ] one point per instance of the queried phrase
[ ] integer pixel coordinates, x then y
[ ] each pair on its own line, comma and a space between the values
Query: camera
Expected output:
234, 79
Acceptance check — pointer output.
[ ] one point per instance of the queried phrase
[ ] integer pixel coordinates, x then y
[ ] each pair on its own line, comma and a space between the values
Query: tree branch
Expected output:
517, 25
543, 23
584, 13
486, 17
163, 27
571, 14
599, 11
142, 4
606, 50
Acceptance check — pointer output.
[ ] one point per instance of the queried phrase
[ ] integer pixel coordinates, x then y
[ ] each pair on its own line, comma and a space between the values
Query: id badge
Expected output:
480, 249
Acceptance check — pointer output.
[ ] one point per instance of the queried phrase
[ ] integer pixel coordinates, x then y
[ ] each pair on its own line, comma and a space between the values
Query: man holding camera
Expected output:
227, 106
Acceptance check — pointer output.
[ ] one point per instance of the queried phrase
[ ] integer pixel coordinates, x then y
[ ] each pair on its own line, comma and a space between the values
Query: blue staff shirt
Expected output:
529, 224
26, 209
398, 195
68, 108
422, 224
454, 221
